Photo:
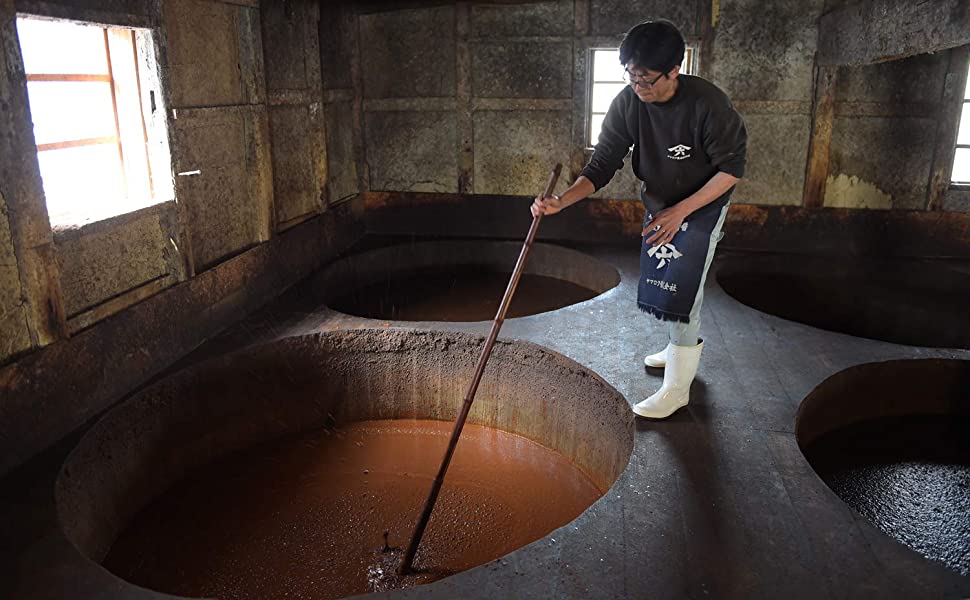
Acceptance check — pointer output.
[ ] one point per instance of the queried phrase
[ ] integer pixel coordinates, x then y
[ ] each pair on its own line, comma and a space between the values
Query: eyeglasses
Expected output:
640, 80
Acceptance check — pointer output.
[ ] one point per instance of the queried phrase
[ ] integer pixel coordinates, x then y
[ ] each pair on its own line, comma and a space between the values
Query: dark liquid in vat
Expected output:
304, 517
459, 294
909, 476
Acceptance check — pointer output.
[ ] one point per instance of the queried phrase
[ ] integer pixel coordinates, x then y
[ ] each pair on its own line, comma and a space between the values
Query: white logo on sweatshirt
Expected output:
679, 152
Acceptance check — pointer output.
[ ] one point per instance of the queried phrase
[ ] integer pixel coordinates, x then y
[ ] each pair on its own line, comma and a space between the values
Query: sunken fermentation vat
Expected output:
460, 280
892, 440
917, 302
178, 428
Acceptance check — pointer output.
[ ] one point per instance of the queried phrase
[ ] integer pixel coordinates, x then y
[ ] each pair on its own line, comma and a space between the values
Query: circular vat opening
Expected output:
905, 301
892, 440
275, 471
461, 280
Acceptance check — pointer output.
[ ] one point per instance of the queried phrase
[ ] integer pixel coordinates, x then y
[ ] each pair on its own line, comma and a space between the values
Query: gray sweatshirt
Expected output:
677, 145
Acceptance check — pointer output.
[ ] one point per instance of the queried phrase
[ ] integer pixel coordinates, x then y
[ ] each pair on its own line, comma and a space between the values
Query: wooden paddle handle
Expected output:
412, 548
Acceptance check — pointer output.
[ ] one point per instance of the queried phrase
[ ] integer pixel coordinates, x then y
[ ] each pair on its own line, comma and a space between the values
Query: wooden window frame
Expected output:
963, 185
958, 55
110, 79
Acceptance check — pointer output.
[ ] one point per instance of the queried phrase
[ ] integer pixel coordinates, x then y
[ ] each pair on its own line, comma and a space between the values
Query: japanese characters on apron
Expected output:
671, 274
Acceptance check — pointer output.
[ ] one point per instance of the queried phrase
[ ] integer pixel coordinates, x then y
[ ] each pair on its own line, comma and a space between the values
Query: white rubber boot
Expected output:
658, 360
681, 367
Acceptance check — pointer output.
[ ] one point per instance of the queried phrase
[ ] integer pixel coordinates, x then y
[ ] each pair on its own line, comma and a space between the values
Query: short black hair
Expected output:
655, 45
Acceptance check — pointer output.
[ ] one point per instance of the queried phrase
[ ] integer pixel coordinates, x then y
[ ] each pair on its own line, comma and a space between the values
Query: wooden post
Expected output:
709, 11
823, 117
23, 193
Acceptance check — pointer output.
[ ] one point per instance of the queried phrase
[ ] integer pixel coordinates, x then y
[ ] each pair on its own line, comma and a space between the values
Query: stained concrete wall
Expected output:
221, 125
763, 58
487, 97
297, 129
520, 97
885, 132
339, 60
14, 335
408, 81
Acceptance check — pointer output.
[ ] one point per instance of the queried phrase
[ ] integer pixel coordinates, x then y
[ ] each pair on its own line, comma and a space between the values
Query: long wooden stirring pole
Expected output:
473, 387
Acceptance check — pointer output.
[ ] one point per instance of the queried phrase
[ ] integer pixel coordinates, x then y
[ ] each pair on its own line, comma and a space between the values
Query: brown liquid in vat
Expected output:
304, 517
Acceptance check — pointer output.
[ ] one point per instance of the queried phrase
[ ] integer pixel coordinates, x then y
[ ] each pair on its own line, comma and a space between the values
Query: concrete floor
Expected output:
717, 501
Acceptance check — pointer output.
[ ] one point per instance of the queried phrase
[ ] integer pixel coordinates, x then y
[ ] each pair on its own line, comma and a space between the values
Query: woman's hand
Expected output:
549, 205
664, 225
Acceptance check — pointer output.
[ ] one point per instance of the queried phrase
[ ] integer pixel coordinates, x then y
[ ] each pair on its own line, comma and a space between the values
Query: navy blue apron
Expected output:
670, 274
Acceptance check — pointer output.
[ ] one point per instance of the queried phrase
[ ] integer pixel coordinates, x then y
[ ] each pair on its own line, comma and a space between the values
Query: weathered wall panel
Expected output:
203, 53
764, 60
226, 199
777, 149
522, 70
14, 335
296, 119
616, 17
538, 19
408, 53
880, 162
870, 31
285, 39
412, 151
884, 133
341, 151
515, 150
22, 201
102, 264
337, 42
912, 81
295, 188
765, 50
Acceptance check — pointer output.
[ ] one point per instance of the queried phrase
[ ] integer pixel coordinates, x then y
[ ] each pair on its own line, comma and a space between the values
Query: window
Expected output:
84, 84
961, 159
607, 82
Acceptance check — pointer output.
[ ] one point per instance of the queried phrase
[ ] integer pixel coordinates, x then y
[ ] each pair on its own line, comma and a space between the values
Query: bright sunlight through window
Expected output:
961, 159
608, 82
84, 84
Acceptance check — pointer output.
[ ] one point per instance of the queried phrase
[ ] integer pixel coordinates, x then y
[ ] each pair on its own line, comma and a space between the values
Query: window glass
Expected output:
606, 65
86, 180
961, 157
963, 137
70, 110
603, 94
62, 47
92, 135
961, 166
